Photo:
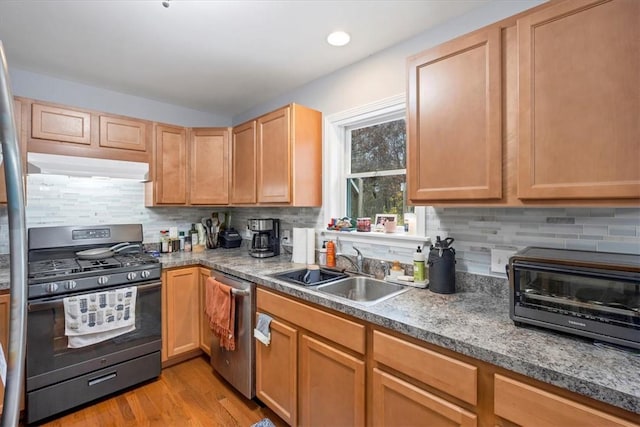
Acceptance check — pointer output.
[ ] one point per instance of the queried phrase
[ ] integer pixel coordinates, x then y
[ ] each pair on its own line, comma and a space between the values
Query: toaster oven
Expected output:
591, 294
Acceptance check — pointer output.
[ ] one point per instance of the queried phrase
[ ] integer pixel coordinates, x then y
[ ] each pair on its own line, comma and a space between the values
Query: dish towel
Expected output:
93, 318
262, 331
221, 311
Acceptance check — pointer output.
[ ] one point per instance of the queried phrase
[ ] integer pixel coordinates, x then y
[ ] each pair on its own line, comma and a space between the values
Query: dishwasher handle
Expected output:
239, 287
240, 292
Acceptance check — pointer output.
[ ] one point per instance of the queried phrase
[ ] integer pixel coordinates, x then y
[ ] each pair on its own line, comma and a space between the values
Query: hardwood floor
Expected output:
187, 394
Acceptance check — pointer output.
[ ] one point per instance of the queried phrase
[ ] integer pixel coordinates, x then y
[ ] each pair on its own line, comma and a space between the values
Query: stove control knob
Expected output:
145, 274
51, 287
132, 275
102, 280
71, 284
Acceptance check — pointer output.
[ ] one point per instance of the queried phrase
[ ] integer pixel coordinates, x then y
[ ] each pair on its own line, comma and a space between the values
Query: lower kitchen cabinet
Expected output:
276, 372
313, 371
526, 405
180, 317
332, 385
399, 403
205, 331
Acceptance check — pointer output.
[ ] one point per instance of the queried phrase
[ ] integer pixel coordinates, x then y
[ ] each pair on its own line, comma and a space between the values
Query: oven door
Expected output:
49, 360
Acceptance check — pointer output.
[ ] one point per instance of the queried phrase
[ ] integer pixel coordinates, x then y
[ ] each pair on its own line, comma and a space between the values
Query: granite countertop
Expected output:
473, 323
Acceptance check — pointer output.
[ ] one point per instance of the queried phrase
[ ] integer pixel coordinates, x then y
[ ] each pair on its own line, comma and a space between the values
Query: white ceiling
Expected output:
222, 57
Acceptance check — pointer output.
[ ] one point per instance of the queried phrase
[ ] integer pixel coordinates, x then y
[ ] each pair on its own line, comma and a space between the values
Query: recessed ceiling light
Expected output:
338, 38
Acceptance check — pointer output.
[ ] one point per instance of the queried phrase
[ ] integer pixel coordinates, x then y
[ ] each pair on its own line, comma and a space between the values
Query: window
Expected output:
375, 169
365, 167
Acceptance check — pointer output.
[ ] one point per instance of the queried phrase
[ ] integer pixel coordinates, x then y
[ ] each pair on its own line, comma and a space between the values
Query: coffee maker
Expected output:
266, 237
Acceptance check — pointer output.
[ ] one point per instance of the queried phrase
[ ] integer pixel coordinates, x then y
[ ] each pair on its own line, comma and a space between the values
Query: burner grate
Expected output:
53, 267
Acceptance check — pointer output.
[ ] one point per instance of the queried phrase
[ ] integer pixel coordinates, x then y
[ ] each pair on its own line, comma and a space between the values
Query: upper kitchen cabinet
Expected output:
126, 134
243, 164
276, 159
289, 166
454, 120
579, 101
189, 167
63, 130
209, 166
17, 110
169, 185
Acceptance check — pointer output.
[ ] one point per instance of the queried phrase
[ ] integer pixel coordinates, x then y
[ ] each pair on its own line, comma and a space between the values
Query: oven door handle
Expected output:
53, 303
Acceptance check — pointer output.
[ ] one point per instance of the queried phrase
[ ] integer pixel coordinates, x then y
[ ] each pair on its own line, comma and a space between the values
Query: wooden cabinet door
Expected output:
398, 403
527, 406
5, 314
171, 165
332, 386
579, 101
243, 164
60, 124
454, 126
17, 111
182, 311
209, 166
127, 134
274, 157
205, 331
277, 372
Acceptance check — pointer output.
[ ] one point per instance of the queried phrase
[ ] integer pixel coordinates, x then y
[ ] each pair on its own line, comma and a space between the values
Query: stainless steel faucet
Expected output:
359, 259
359, 264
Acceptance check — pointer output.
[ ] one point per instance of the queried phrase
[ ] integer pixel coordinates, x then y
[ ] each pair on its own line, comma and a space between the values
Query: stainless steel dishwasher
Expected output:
238, 366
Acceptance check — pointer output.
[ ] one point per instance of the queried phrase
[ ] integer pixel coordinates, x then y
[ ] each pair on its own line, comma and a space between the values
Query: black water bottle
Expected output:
442, 267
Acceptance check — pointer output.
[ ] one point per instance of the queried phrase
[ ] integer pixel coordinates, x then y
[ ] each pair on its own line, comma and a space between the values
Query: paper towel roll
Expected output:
299, 253
311, 246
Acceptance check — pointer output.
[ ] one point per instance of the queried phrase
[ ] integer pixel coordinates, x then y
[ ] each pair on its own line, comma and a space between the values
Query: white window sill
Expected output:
402, 240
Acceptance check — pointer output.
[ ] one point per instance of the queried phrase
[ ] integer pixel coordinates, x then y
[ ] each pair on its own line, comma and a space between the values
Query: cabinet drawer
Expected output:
334, 328
441, 372
530, 406
398, 403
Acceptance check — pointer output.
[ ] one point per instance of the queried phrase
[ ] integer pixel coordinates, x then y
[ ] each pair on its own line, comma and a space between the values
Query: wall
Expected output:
46, 88
383, 74
478, 230
61, 200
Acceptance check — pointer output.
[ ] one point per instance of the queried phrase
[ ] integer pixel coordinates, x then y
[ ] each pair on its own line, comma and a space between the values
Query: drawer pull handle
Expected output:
102, 379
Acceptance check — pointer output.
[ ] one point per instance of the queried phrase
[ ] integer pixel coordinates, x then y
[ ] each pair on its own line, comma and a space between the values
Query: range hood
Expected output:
38, 163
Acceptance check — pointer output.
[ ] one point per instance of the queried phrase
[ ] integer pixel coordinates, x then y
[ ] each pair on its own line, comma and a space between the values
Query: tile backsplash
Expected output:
478, 230
62, 200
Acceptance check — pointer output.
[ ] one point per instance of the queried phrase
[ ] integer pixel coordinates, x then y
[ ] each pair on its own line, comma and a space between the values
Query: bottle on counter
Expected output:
187, 244
181, 237
322, 258
331, 254
418, 266
194, 236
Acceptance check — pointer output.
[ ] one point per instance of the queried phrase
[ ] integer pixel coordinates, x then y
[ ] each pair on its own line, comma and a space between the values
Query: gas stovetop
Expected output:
50, 268
56, 266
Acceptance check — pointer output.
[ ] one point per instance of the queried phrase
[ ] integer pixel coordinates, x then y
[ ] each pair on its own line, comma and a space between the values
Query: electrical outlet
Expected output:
500, 258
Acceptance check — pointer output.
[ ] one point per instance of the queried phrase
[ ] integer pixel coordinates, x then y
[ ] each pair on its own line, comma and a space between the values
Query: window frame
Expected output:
336, 151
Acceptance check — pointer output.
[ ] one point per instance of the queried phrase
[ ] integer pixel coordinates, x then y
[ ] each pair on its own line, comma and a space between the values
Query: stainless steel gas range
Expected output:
94, 315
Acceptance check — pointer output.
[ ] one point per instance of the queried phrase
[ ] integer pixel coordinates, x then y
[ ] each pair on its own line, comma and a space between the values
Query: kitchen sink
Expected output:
297, 277
363, 290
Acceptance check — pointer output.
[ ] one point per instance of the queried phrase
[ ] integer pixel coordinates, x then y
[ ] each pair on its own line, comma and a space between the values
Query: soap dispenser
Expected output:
418, 266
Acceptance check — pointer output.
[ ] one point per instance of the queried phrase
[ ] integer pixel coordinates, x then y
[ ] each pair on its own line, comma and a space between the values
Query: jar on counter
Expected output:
164, 241
187, 244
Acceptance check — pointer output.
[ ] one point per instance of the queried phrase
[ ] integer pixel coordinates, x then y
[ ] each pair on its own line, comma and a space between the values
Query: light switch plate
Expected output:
500, 258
